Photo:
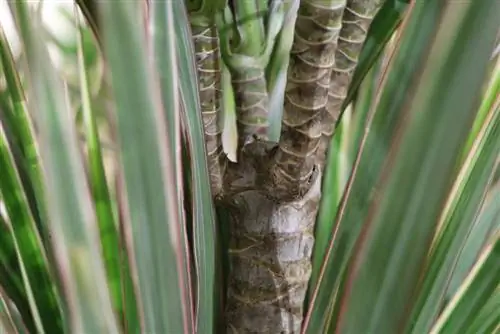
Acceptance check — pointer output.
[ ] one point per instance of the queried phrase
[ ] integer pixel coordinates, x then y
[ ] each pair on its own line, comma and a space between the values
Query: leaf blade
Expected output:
150, 191
70, 209
401, 225
480, 284
203, 214
472, 183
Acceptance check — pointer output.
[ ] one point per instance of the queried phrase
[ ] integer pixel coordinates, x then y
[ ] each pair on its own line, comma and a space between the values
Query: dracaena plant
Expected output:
212, 166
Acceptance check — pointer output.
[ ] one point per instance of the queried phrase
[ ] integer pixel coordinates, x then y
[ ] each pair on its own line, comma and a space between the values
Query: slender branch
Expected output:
207, 55
306, 94
243, 51
356, 20
329, 36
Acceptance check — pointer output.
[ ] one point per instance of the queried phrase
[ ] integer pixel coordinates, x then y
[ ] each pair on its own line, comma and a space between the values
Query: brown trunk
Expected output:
270, 248
273, 193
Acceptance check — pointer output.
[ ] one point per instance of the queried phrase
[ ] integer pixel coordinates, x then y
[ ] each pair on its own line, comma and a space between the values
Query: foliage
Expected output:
111, 167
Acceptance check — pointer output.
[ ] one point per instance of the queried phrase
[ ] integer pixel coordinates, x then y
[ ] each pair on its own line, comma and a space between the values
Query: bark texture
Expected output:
206, 45
356, 21
312, 59
270, 248
273, 193
252, 102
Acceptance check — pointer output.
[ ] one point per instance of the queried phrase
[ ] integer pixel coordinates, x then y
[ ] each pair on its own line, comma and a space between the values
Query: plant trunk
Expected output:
270, 248
273, 193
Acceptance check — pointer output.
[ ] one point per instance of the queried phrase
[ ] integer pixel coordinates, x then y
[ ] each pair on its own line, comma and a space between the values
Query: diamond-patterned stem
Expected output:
306, 95
356, 20
274, 191
252, 102
207, 60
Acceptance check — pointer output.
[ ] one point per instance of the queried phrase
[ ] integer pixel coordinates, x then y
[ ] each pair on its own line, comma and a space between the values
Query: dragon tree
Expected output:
250, 166
273, 190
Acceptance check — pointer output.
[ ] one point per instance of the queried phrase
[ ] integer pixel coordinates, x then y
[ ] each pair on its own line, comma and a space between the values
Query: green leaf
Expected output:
423, 78
149, 172
27, 250
167, 61
476, 291
276, 71
365, 99
465, 202
70, 211
385, 270
20, 136
337, 172
230, 130
202, 210
487, 320
482, 230
382, 121
333, 189
11, 281
489, 99
109, 236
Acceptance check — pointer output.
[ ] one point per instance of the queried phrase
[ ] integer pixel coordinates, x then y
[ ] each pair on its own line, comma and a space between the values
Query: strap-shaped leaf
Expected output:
70, 210
23, 259
466, 197
394, 243
150, 167
202, 210
19, 133
486, 224
110, 243
385, 213
480, 286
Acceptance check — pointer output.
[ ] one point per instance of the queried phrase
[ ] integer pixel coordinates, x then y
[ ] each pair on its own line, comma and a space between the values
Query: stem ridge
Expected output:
206, 45
356, 21
312, 59
252, 102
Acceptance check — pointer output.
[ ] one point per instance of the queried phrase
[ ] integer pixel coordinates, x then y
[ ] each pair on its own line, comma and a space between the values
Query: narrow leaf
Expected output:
469, 192
109, 236
490, 98
149, 170
482, 230
72, 221
475, 292
392, 107
19, 133
26, 249
487, 320
394, 242
202, 210
11, 280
